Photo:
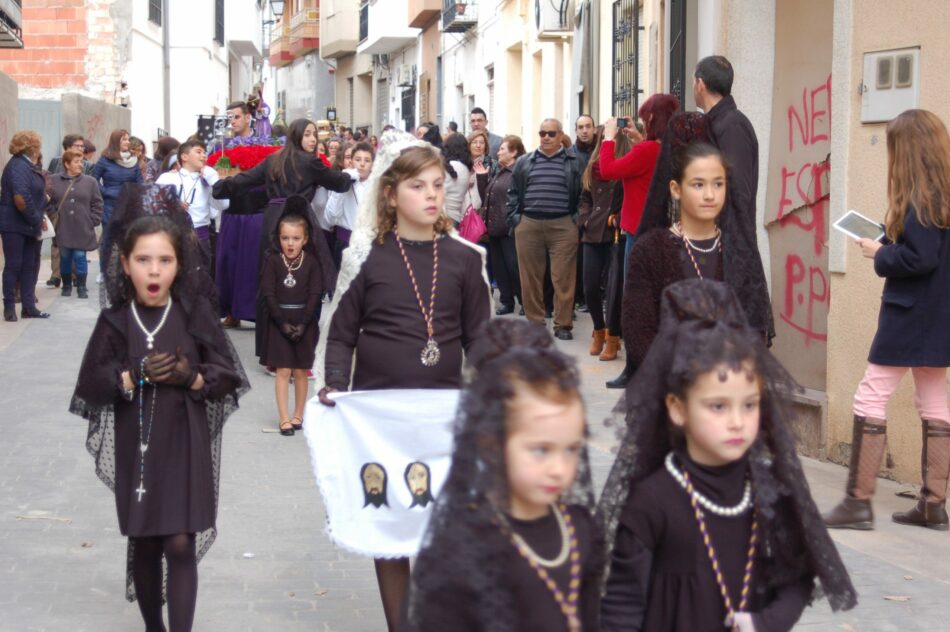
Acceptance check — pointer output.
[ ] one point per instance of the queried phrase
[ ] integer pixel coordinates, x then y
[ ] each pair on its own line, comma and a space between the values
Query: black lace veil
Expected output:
702, 326
105, 356
741, 262
463, 551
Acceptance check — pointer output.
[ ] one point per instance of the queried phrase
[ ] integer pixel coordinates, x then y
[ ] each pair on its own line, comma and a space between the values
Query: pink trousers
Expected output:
880, 382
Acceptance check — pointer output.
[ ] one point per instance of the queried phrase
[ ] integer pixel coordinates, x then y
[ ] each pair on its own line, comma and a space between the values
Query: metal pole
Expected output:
166, 67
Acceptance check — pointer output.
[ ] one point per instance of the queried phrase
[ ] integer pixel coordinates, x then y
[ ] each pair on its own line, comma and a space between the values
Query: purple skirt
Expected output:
238, 265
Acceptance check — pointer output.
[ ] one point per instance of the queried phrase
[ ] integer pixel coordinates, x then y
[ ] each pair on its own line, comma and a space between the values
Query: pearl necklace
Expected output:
719, 510
678, 229
150, 335
292, 266
531, 554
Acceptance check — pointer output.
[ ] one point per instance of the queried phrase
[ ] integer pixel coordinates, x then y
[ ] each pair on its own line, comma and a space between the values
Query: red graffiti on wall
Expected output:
803, 205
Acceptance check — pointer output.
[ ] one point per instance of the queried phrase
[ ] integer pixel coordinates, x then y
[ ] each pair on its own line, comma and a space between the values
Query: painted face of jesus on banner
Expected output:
373, 476
417, 480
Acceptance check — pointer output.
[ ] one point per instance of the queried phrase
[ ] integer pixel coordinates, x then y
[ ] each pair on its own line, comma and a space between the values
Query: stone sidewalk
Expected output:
62, 558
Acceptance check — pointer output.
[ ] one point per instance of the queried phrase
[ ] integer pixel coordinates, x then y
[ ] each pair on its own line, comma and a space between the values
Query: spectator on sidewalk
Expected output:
542, 207
70, 142
22, 204
478, 121
501, 242
76, 143
76, 204
733, 134
458, 169
167, 147
585, 133
116, 168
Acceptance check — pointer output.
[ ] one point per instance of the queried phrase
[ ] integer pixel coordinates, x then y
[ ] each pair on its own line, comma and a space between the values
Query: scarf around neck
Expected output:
127, 160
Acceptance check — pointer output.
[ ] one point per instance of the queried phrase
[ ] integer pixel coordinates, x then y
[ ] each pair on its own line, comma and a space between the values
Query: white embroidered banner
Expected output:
380, 459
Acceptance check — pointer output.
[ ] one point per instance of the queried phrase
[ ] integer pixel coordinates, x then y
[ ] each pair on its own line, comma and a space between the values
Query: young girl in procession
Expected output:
707, 510
691, 248
410, 297
158, 380
912, 327
293, 280
511, 544
340, 211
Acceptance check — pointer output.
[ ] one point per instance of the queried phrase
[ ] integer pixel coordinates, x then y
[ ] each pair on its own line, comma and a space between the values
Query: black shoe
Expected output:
66, 291
9, 315
504, 310
81, 291
925, 514
32, 313
53, 282
620, 381
582, 308
563, 334
549, 313
521, 311
850, 513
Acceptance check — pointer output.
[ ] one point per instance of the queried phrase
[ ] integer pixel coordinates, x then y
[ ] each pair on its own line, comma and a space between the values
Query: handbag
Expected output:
472, 226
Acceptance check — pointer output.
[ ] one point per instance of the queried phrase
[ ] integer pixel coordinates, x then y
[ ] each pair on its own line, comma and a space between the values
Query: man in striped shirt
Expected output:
542, 210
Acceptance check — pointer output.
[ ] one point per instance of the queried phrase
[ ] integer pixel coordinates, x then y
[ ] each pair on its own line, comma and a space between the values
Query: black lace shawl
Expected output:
703, 326
316, 247
98, 385
742, 263
460, 553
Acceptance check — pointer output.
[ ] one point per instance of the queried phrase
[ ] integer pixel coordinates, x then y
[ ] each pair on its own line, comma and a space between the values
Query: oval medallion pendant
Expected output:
290, 281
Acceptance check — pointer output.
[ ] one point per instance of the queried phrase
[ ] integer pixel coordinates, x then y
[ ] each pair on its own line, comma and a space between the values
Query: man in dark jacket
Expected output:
733, 134
542, 210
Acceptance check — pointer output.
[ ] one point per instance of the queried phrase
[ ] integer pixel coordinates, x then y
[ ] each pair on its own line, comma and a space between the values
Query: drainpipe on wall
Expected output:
166, 68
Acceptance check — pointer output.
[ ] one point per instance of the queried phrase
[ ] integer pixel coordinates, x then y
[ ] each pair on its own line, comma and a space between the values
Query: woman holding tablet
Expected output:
912, 332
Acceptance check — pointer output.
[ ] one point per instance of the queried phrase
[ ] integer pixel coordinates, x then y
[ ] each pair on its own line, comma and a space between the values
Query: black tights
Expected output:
393, 579
179, 552
597, 262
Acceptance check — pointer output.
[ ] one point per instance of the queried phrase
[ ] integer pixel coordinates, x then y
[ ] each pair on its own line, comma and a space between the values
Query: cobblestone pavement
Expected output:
62, 558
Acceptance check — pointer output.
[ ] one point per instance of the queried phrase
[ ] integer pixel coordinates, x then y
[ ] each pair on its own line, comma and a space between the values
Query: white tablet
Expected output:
858, 226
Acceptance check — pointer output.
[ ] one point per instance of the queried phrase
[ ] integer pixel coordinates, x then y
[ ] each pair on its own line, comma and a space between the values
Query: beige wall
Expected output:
9, 123
856, 293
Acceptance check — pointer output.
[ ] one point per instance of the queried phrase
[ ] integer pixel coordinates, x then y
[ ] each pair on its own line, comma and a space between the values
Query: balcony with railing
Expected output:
280, 54
305, 32
421, 12
11, 24
339, 29
384, 28
459, 16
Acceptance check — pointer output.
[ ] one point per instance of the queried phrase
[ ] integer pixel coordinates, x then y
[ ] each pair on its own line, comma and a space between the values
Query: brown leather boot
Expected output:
597, 341
868, 443
930, 510
611, 349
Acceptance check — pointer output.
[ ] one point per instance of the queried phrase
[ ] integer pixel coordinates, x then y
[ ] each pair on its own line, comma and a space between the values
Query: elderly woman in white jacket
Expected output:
340, 211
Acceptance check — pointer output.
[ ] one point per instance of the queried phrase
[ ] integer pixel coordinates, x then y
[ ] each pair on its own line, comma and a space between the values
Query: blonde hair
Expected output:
23, 142
410, 163
918, 171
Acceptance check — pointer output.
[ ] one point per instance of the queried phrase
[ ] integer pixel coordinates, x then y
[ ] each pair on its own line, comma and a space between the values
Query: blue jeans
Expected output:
627, 247
68, 257
21, 264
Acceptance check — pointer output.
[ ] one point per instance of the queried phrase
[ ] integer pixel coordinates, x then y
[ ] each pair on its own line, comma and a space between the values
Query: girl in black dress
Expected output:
293, 280
410, 297
707, 510
158, 380
511, 544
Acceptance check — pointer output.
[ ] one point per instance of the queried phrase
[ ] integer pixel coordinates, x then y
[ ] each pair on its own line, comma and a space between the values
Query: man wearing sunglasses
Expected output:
542, 211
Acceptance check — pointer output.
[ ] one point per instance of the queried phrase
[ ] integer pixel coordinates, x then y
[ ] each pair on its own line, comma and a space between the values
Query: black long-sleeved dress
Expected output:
294, 305
378, 317
661, 578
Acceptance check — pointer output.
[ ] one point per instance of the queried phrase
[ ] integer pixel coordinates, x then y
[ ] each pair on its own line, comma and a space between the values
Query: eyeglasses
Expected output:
78, 146
544, 133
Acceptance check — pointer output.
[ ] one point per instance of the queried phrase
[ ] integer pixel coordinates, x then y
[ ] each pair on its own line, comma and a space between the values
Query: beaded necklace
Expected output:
568, 605
690, 246
292, 266
430, 354
144, 435
714, 560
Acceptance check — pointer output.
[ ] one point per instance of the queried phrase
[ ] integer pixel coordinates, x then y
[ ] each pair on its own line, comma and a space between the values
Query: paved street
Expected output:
62, 558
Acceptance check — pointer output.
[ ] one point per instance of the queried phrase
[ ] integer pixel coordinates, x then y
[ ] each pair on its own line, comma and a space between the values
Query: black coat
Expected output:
22, 178
915, 307
734, 135
605, 198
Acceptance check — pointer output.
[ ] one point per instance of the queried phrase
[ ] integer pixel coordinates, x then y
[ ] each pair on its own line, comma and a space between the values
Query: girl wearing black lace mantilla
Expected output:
158, 380
707, 512
511, 546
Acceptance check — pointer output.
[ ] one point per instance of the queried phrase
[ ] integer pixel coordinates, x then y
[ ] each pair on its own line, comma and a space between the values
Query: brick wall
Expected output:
55, 43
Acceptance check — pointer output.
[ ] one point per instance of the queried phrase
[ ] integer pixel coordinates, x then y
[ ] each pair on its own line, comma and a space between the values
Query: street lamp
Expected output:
277, 6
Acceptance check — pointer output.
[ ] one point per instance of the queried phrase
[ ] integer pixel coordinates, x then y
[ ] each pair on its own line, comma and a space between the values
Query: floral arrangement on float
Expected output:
241, 157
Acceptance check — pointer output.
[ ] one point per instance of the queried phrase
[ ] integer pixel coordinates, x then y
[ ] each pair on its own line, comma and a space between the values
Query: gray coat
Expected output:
78, 213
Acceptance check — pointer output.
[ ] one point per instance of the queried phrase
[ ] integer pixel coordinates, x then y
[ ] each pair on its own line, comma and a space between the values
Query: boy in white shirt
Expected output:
340, 211
193, 181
